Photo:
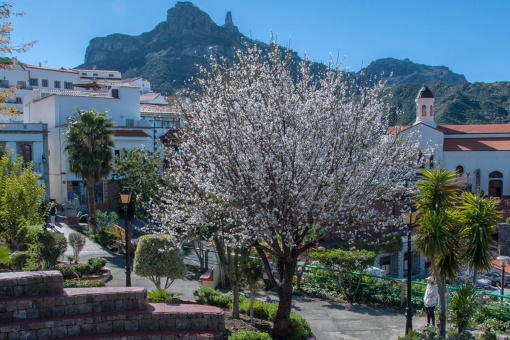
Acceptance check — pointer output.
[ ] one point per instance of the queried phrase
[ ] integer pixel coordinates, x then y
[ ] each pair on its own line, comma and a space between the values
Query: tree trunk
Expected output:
253, 292
281, 322
198, 247
442, 300
92, 205
235, 299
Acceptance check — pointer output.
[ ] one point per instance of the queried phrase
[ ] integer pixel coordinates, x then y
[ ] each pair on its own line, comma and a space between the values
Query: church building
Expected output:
480, 153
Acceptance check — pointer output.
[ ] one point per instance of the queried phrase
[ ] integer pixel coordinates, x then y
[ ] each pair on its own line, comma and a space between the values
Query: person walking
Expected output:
430, 301
53, 214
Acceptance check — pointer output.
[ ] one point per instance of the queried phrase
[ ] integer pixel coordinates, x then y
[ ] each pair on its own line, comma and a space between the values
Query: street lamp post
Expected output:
125, 198
409, 218
503, 260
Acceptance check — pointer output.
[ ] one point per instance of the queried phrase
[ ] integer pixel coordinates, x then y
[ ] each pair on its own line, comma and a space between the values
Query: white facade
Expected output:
121, 104
479, 153
30, 141
45, 101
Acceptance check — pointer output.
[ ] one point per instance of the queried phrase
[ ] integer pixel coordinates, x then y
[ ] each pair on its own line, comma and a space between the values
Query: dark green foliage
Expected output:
104, 237
299, 329
24, 261
351, 260
76, 271
83, 284
249, 335
462, 306
51, 246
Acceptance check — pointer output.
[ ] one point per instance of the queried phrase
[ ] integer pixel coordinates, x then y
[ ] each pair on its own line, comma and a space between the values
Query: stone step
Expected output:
72, 301
14, 284
160, 335
157, 317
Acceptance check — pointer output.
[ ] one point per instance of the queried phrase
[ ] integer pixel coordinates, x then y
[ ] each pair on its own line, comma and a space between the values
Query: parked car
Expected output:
481, 283
495, 278
375, 271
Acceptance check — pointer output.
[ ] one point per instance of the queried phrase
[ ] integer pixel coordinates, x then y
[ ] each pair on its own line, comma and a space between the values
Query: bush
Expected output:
104, 237
76, 271
462, 306
158, 257
83, 284
96, 264
249, 335
299, 329
77, 242
24, 261
51, 246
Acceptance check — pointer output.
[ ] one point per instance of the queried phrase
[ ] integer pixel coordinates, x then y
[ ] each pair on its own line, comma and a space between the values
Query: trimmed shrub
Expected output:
51, 246
249, 335
158, 257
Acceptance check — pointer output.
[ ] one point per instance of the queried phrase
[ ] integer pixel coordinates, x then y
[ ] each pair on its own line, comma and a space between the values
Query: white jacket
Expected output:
430, 297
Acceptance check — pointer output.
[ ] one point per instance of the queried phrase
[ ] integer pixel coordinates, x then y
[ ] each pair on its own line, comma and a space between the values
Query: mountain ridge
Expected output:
168, 56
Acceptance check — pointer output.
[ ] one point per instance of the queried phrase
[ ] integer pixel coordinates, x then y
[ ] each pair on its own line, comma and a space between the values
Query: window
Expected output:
130, 122
25, 151
495, 174
116, 155
111, 75
4, 83
84, 73
431, 110
33, 82
44, 83
460, 170
115, 93
57, 84
424, 111
95, 74
19, 100
22, 84
68, 85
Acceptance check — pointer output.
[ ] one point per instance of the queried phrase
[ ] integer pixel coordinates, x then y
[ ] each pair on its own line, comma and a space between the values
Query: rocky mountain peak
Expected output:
229, 23
186, 17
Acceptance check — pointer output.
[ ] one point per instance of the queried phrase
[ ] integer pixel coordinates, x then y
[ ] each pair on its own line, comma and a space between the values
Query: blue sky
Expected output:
471, 37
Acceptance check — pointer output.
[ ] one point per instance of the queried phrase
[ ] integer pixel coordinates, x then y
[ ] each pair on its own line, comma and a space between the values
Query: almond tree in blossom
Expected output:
279, 158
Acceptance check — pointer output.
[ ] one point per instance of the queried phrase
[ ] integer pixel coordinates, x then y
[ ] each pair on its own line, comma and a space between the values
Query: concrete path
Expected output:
329, 320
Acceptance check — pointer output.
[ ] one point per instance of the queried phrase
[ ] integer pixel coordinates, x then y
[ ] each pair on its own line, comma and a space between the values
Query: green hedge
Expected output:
299, 329
249, 335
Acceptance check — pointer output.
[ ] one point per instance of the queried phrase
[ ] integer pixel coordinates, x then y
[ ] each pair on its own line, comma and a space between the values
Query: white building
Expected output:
122, 104
480, 153
30, 141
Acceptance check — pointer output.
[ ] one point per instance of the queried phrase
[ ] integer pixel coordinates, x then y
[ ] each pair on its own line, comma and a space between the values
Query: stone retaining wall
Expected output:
33, 305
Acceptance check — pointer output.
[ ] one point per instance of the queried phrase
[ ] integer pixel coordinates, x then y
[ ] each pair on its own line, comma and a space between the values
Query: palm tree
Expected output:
89, 144
478, 217
437, 234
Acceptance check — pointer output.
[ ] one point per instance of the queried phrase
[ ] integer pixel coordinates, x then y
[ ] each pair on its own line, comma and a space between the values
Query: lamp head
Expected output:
503, 260
125, 196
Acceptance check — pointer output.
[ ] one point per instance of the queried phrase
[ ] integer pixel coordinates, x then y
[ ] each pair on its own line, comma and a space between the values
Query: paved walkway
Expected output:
329, 320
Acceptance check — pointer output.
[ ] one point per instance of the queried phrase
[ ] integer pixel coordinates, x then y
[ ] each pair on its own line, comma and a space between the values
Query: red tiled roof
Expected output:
393, 130
474, 128
496, 264
130, 133
476, 144
149, 96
